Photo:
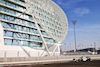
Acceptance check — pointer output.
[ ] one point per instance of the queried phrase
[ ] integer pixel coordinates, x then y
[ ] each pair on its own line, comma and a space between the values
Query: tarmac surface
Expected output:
95, 63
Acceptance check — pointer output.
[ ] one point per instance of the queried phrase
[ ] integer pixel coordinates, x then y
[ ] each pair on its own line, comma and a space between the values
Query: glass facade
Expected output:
25, 32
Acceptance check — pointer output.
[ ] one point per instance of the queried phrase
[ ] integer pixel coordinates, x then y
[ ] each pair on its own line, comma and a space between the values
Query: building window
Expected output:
32, 37
26, 16
16, 42
35, 44
8, 41
19, 1
1, 16
30, 17
8, 33
7, 25
10, 4
26, 23
2, 1
32, 24
35, 31
25, 36
26, 29
24, 43
17, 35
44, 33
9, 18
2, 8
18, 21
31, 30
17, 27
40, 27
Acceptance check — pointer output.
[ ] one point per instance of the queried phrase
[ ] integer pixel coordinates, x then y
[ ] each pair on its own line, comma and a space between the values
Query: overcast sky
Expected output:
87, 14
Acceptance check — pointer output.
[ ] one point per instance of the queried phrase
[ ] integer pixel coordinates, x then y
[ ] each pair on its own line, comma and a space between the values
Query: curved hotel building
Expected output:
31, 28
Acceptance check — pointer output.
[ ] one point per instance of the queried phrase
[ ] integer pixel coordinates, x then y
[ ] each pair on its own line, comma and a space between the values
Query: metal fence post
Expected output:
18, 54
29, 54
38, 54
5, 54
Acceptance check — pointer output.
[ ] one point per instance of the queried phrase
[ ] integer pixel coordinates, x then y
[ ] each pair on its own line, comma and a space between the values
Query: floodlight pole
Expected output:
95, 46
74, 23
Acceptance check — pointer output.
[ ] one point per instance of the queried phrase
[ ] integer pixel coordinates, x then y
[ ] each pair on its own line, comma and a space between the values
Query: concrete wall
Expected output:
18, 51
